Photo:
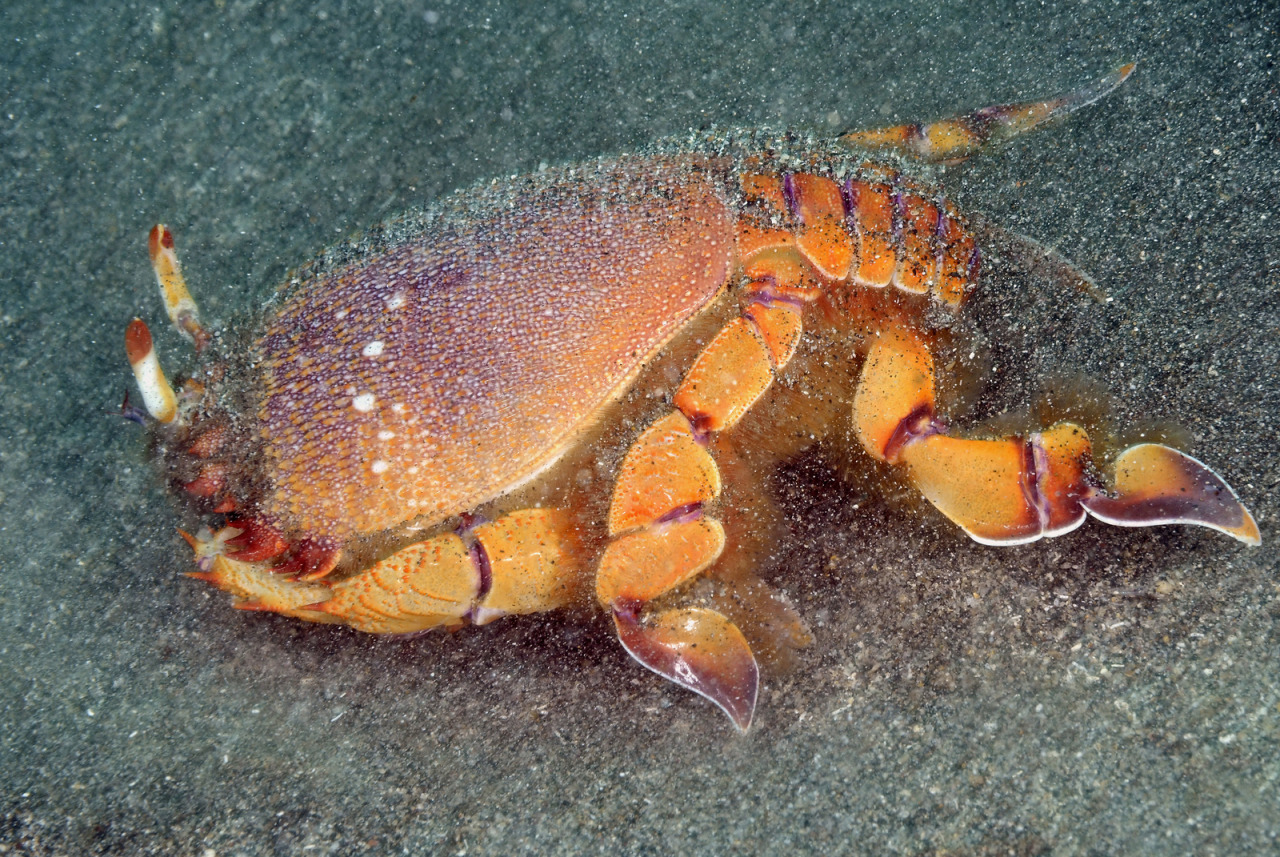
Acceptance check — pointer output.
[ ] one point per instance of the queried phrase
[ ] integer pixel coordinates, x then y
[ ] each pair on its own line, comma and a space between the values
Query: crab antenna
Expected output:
157, 394
173, 287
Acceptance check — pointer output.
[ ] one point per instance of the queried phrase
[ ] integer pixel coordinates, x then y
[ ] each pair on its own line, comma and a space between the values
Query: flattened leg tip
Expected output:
1247, 532
1121, 74
700, 650
1156, 484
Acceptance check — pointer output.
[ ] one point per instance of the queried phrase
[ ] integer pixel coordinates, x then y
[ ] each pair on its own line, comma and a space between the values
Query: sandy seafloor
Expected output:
1109, 692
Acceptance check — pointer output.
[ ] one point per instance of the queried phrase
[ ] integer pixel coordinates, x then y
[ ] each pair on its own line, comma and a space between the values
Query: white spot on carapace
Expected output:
395, 301
379, 466
398, 407
373, 349
363, 402
386, 435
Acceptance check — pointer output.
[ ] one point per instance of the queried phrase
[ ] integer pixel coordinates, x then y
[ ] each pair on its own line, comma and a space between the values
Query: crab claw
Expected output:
255, 585
257, 588
310, 559
698, 649
1157, 484
258, 541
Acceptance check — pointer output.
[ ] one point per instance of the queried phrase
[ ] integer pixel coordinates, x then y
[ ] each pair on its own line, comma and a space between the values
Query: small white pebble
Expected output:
386, 435
373, 349
379, 466
363, 402
395, 301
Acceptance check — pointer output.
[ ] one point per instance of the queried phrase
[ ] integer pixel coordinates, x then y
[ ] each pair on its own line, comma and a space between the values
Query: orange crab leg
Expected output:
525, 562
663, 534
1016, 489
953, 140
798, 234
698, 649
533, 560
430, 583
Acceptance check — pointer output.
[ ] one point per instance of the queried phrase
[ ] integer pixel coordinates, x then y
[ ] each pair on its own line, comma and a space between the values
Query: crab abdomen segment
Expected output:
917, 271
821, 233
871, 204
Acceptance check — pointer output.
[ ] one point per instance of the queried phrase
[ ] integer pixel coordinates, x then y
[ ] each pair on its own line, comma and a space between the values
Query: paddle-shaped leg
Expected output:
1015, 489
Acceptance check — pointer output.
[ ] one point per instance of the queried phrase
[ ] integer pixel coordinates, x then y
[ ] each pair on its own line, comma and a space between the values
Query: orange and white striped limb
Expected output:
157, 393
178, 302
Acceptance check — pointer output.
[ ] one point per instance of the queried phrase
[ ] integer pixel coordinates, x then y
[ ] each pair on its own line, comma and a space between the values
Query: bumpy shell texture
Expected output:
456, 364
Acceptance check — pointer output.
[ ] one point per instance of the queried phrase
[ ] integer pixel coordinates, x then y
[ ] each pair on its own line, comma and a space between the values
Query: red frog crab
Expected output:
562, 389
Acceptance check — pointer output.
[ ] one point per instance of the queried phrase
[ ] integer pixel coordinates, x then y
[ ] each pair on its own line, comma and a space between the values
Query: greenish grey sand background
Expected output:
1111, 692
